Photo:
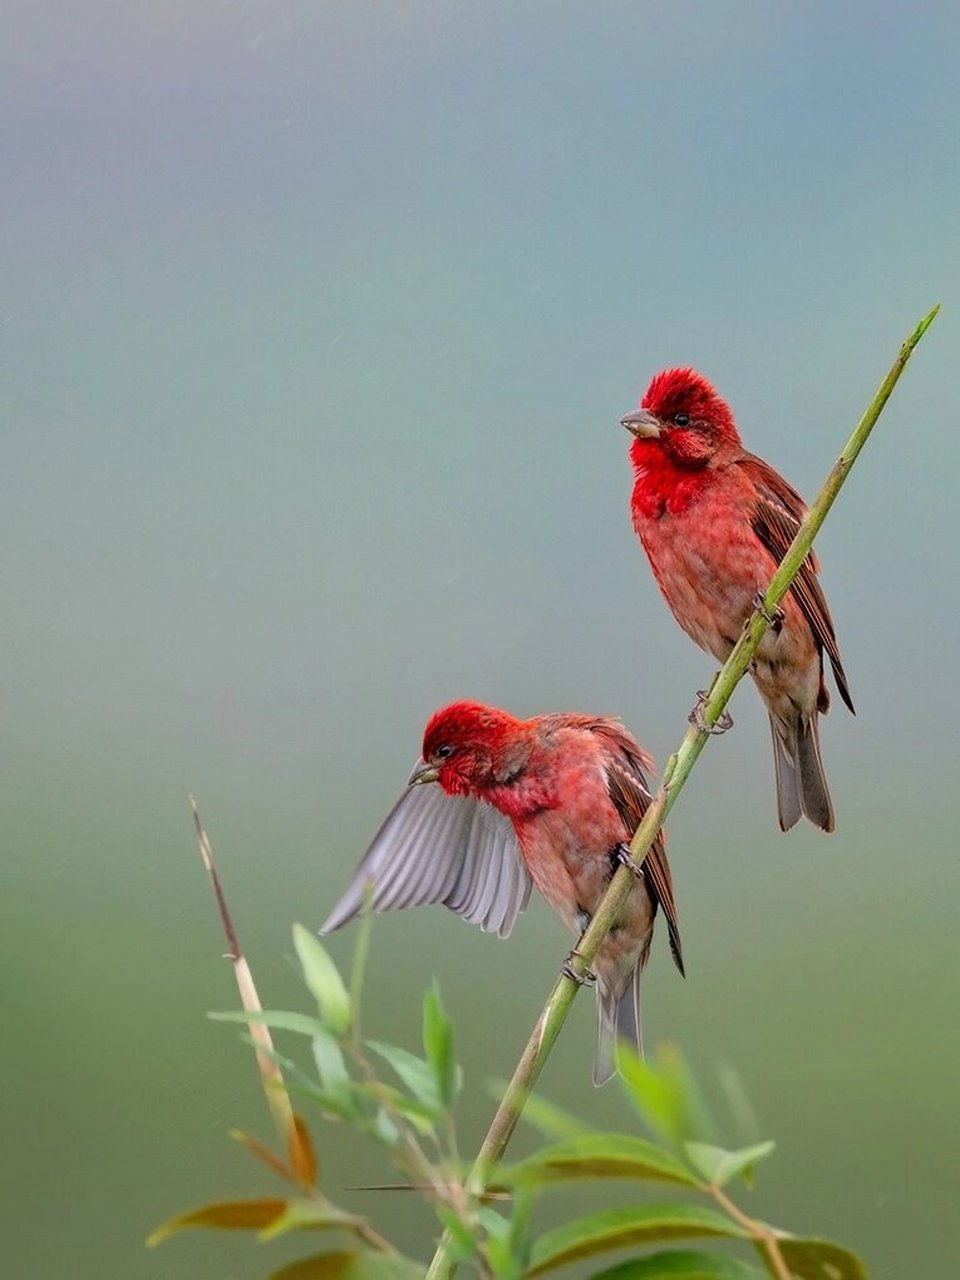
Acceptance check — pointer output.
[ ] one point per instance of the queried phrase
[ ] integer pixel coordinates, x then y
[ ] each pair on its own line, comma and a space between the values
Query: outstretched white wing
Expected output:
439, 848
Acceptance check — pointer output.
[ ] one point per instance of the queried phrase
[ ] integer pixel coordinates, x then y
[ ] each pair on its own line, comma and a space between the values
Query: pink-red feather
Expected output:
715, 521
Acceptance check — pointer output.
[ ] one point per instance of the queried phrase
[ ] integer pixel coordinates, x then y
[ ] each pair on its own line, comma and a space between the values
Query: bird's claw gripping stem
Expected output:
622, 855
585, 979
723, 723
775, 619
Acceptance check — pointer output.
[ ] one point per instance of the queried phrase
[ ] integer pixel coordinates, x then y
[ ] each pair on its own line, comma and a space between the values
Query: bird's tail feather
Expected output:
801, 781
789, 807
617, 1017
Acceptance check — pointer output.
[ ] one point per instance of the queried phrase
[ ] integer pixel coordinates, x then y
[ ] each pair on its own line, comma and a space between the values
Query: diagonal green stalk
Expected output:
675, 775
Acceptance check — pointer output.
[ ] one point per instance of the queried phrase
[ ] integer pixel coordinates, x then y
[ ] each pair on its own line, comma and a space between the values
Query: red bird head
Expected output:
681, 416
468, 747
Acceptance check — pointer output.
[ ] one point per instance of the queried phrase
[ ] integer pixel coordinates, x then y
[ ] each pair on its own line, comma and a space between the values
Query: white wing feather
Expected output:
438, 848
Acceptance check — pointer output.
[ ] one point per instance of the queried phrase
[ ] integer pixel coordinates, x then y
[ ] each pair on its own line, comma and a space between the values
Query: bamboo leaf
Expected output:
328, 1058
303, 1159
598, 1155
323, 979
299, 1215
361, 951
720, 1166
521, 1232
498, 1243
820, 1260
224, 1215
665, 1094
464, 1240
278, 1019
493, 1223
385, 1128
417, 1075
350, 1265
419, 1115
287, 1066
438, 1046
320, 1266
546, 1117
342, 1104
681, 1265
619, 1228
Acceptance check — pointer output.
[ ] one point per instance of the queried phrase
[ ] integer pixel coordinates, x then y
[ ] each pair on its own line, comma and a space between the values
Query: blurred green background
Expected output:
318, 321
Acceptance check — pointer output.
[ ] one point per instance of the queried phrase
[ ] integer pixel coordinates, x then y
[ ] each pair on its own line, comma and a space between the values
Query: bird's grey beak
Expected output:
423, 773
643, 424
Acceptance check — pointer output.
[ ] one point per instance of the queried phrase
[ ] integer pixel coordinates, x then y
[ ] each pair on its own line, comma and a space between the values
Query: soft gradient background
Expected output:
318, 320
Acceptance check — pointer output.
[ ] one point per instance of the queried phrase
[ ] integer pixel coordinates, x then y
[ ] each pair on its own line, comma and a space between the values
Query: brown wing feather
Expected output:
630, 793
779, 513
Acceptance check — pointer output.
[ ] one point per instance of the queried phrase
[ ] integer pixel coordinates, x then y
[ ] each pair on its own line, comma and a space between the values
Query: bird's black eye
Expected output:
681, 419
444, 753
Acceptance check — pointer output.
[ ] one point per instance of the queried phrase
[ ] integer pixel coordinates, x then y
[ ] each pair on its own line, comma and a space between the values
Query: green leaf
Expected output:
225, 1215
619, 1228
323, 978
681, 1264
463, 1239
361, 950
328, 1058
320, 1266
720, 1166
278, 1019
381, 1266
420, 1116
493, 1223
665, 1094
521, 1234
499, 1244
598, 1155
347, 1265
288, 1067
385, 1128
299, 1215
417, 1075
438, 1046
819, 1260
547, 1118
503, 1262
342, 1104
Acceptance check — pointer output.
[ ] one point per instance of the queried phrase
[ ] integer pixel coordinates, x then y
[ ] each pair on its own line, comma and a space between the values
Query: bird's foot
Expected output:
621, 854
585, 979
775, 619
723, 723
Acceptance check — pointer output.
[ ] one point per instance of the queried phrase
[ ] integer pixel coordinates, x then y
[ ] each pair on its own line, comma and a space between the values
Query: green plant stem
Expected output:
675, 775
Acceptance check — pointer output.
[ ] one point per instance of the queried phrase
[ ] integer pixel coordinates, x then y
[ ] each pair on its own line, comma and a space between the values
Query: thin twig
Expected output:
370, 1236
759, 1232
675, 775
271, 1076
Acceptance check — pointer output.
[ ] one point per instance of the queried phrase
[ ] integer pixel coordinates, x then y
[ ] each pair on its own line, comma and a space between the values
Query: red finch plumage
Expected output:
496, 803
715, 521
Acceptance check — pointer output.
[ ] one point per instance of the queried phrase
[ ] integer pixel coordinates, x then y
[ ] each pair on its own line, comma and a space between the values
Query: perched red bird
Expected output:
495, 803
715, 521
